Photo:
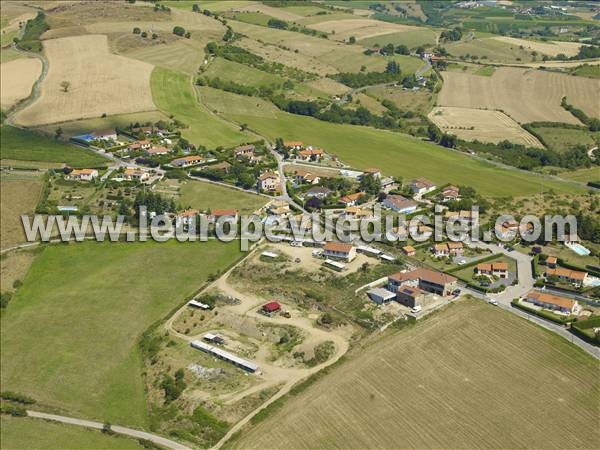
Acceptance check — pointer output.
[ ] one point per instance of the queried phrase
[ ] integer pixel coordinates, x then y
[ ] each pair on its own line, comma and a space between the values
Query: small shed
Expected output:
381, 295
271, 307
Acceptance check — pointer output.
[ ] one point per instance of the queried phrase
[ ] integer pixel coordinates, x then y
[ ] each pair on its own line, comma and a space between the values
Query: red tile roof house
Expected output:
271, 308
410, 296
409, 250
450, 193
133, 174
185, 217
105, 135
310, 154
244, 151
269, 181
497, 269
570, 276
551, 261
302, 176
339, 250
422, 186
293, 145
399, 204
350, 200
553, 302
157, 150
465, 215
82, 174
216, 214
139, 145
187, 161
373, 171
447, 249
425, 279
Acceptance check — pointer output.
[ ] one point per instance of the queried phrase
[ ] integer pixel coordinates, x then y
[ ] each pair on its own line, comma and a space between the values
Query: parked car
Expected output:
456, 292
416, 309
491, 301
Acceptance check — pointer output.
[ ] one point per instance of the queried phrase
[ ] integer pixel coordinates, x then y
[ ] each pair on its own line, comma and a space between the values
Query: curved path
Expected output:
159, 440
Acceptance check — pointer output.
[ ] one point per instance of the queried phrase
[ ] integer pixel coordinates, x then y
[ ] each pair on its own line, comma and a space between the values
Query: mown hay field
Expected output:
90, 303
490, 50
278, 13
184, 55
395, 154
482, 125
241, 74
550, 48
525, 95
20, 193
471, 376
174, 95
342, 30
100, 83
412, 38
20, 433
16, 80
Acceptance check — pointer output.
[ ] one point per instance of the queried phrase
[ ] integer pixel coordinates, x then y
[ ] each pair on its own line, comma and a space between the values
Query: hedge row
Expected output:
542, 313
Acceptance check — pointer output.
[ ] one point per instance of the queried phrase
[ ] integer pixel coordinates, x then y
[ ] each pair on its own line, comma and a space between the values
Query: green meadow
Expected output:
395, 154
23, 145
174, 94
70, 335
22, 433
411, 39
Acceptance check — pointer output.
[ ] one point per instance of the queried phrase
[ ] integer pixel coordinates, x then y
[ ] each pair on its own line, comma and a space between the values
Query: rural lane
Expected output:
159, 440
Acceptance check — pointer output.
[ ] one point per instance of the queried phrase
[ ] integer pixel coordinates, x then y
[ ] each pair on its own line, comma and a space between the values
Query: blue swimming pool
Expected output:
579, 249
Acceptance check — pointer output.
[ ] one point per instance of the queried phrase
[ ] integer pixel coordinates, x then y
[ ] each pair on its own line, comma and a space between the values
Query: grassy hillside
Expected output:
472, 376
173, 94
23, 145
69, 335
396, 154
20, 433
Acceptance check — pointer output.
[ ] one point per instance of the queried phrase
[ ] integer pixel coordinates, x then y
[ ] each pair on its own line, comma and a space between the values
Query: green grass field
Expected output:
69, 335
587, 70
490, 50
411, 39
396, 154
485, 71
211, 5
225, 102
174, 94
563, 139
25, 145
21, 433
471, 376
241, 74
255, 18
583, 175
203, 196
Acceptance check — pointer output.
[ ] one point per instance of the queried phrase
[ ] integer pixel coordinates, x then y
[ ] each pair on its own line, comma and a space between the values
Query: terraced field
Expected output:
465, 373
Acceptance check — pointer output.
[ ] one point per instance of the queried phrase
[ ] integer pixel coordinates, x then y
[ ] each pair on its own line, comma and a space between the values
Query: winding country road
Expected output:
158, 440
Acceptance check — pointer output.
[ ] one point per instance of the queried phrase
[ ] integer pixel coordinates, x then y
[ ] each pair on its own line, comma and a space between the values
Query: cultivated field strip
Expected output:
17, 78
471, 377
525, 95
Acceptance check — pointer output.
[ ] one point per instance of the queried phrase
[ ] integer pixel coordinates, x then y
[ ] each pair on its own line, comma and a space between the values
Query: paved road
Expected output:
159, 440
524, 285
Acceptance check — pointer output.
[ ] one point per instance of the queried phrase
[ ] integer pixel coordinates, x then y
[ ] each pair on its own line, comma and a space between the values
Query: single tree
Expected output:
65, 85
137, 30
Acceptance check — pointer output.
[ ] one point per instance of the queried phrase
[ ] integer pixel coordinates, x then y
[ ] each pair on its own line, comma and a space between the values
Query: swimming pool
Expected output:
579, 249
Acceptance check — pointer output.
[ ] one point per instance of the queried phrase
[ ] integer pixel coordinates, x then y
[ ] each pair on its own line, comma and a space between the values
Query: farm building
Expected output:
339, 250
410, 296
244, 364
380, 295
409, 250
214, 338
553, 302
197, 304
82, 174
399, 204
